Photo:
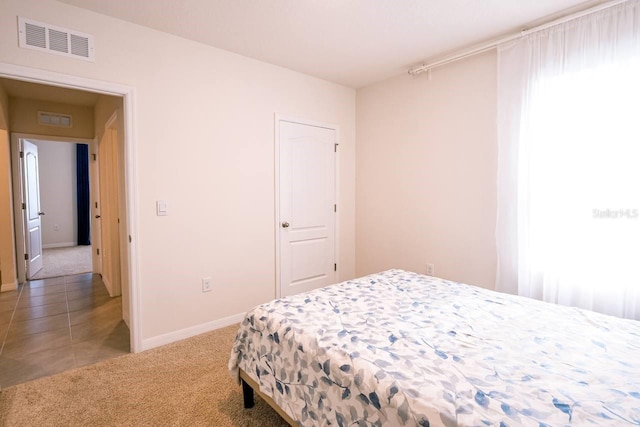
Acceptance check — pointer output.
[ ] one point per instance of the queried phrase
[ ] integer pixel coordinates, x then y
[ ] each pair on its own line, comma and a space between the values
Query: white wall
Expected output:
205, 144
58, 193
426, 173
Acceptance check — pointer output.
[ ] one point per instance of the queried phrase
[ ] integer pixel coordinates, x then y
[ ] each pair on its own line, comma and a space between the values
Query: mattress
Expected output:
403, 349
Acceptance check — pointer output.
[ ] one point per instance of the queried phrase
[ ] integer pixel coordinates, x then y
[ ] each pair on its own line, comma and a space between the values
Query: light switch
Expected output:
162, 208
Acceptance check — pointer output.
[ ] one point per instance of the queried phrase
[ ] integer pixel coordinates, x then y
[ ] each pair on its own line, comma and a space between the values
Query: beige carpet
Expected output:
64, 262
181, 384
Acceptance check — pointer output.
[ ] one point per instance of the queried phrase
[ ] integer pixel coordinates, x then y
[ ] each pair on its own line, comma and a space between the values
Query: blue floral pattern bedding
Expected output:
402, 349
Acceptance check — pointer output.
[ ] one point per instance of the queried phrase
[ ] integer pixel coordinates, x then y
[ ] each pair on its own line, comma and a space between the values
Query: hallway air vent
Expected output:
60, 41
54, 119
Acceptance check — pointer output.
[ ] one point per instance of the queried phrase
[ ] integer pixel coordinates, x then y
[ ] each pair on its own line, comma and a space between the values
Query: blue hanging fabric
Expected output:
83, 195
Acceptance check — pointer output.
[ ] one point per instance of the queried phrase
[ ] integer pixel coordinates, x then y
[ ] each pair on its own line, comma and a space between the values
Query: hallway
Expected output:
65, 261
53, 325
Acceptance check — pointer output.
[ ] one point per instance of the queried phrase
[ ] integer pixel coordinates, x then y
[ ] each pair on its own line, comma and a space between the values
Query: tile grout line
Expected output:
66, 298
96, 351
13, 313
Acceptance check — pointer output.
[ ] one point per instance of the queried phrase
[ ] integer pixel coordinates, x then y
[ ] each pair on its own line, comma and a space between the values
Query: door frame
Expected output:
293, 119
18, 187
128, 94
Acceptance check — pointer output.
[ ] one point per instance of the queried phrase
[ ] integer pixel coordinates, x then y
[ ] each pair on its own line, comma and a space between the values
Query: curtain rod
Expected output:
484, 47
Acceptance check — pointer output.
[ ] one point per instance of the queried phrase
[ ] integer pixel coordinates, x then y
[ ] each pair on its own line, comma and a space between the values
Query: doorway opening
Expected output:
51, 178
49, 83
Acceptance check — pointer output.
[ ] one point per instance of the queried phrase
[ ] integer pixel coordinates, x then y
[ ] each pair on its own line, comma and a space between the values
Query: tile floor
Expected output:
52, 325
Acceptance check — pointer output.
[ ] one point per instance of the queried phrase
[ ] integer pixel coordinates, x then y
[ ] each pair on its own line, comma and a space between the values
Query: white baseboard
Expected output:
9, 286
107, 284
192, 331
125, 317
59, 245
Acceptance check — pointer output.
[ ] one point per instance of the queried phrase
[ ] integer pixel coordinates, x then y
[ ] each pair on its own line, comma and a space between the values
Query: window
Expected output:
568, 228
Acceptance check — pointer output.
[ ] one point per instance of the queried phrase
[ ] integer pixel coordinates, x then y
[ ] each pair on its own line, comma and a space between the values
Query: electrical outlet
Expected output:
430, 270
206, 284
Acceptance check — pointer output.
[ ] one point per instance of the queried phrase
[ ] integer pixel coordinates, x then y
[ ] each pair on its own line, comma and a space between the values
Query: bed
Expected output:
402, 349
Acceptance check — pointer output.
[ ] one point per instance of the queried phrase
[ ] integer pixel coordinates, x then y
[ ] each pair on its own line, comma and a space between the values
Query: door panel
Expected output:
109, 211
32, 208
308, 260
96, 223
307, 216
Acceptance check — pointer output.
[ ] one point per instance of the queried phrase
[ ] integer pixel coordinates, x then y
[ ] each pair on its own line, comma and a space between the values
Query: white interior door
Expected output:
31, 210
109, 211
96, 223
307, 198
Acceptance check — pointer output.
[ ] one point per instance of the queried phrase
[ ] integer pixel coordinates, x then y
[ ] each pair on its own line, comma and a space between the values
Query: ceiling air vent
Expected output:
51, 39
54, 119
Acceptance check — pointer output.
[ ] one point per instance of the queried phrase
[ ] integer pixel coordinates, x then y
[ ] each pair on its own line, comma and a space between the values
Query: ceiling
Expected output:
21, 89
350, 42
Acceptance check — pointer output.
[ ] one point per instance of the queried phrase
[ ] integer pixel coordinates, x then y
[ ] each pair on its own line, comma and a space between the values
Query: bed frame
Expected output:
249, 386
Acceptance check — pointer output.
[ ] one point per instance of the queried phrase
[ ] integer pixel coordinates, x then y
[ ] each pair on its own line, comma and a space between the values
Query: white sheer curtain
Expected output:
568, 228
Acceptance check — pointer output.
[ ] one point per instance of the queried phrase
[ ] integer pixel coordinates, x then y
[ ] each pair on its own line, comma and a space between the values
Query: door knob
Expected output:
40, 213
285, 225
97, 216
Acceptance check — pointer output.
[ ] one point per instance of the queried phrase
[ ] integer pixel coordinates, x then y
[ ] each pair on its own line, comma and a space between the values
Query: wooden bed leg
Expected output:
247, 394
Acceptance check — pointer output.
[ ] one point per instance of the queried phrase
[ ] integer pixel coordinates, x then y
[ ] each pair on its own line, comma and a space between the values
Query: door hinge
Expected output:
24, 206
335, 267
94, 157
22, 154
96, 205
335, 208
335, 148
26, 257
129, 238
98, 251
